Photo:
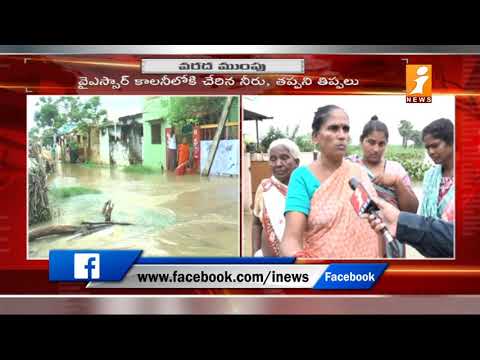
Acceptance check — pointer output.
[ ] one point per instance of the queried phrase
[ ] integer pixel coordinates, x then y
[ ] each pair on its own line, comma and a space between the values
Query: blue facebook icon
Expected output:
86, 266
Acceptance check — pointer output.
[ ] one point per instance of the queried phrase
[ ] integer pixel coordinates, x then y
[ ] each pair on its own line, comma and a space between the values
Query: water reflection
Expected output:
172, 215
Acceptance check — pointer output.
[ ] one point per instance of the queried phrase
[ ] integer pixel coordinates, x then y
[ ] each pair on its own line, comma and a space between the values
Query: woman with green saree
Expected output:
438, 183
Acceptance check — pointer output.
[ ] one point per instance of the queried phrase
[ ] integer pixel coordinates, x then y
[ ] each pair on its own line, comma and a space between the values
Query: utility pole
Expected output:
216, 138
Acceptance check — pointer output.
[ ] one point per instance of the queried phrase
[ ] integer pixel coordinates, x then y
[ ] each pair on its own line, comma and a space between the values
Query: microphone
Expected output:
363, 203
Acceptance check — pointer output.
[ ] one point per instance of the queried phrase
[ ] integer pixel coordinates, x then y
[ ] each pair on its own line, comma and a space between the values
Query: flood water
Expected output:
188, 215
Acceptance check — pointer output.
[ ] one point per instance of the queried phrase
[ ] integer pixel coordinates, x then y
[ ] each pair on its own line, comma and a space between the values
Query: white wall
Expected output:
247, 181
227, 157
120, 154
104, 148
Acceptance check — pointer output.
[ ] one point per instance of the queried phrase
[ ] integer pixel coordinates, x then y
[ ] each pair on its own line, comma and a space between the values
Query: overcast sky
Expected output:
294, 109
291, 110
116, 105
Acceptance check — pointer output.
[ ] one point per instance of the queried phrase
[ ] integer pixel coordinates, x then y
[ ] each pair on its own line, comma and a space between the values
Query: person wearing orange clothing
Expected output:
183, 153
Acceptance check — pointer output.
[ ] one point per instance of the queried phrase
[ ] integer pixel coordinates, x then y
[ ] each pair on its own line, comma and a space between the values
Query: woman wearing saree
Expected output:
438, 183
183, 153
268, 221
320, 220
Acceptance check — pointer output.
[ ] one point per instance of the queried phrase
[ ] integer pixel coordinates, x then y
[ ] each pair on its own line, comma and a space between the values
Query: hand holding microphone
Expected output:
364, 204
388, 217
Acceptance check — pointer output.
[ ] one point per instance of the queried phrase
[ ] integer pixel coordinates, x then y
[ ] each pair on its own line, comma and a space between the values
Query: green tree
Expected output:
405, 129
89, 113
71, 108
47, 137
189, 110
272, 135
53, 114
416, 136
34, 135
304, 143
48, 116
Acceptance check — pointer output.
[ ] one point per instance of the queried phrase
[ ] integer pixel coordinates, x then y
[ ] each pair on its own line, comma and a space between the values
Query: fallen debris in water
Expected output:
84, 229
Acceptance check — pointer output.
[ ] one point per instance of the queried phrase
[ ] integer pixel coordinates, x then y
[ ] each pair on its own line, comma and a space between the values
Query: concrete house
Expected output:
155, 124
121, 143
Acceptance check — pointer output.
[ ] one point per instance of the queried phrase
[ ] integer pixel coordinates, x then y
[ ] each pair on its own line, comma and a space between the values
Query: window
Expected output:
156, 133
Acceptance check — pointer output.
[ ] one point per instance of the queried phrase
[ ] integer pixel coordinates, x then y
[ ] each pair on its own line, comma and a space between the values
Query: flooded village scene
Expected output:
156, 173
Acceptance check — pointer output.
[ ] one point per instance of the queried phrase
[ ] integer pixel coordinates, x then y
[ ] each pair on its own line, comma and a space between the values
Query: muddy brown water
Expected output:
173, 215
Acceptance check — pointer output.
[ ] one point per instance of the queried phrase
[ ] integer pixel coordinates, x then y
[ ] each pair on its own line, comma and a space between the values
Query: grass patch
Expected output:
139, 169
66, 192
90, 165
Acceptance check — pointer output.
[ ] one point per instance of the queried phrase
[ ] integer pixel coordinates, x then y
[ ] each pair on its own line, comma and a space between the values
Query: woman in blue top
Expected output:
320, 220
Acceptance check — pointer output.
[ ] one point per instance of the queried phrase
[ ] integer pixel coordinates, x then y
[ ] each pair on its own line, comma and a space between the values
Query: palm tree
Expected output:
405, 129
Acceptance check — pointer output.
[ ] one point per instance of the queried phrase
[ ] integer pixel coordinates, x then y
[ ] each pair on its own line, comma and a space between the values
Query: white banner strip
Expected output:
218, 276
223, 66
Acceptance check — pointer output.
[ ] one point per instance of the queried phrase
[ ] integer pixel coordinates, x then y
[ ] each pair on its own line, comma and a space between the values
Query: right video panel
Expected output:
301, 152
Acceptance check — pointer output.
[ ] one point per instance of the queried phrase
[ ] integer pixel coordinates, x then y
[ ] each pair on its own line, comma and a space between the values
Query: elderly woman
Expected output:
268, 221
320, 219
438, 183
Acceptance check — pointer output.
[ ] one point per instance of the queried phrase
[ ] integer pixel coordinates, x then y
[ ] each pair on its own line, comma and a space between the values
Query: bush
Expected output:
411, 158
354, 150
415, 168
250, 147
405, 153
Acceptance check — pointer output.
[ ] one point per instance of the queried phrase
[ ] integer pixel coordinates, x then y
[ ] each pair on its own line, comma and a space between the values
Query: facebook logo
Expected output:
86, 266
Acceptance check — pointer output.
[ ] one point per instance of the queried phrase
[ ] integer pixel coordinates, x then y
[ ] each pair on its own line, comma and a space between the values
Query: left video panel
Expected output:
130, 172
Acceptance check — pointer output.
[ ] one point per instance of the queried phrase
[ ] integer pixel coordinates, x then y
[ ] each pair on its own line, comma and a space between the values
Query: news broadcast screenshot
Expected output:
239, 179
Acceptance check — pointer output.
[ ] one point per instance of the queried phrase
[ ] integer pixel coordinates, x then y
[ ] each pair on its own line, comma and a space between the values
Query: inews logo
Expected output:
419, 84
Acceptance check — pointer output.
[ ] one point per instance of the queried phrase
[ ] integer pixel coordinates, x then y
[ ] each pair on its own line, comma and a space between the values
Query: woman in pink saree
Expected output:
320, 220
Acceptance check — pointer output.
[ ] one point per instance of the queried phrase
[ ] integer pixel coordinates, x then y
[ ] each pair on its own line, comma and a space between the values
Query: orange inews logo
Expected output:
419, 84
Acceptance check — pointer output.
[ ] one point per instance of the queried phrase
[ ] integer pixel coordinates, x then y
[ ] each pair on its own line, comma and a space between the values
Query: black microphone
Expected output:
363, 203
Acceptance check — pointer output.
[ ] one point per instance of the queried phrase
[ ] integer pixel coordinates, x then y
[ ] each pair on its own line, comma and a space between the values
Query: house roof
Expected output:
251, 115
66, 128
122, 121
106, 124
129, 118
